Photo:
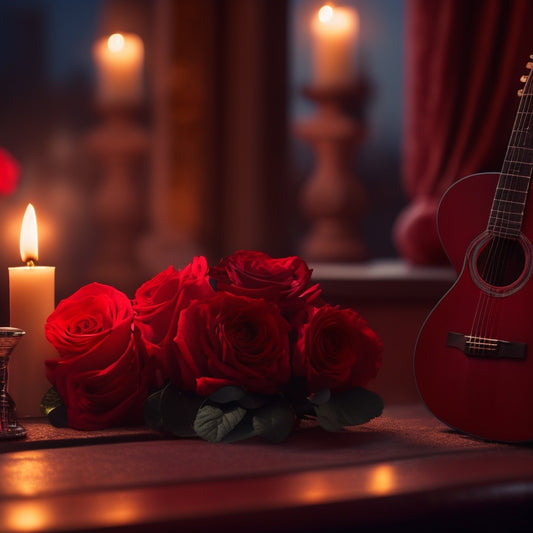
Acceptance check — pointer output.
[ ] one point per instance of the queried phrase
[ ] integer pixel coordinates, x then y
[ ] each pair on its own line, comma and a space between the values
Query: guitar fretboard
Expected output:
510, 199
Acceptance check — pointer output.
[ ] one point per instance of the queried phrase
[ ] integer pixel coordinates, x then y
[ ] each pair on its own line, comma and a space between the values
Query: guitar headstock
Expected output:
525, 77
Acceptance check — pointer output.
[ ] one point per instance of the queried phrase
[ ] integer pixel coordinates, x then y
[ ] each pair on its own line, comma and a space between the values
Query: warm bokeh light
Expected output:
29, 248
382, 479
115, 43
338, 19
119, 62
27, 516
325, 13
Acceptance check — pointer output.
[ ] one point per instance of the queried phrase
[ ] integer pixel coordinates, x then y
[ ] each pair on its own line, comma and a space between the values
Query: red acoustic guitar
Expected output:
473, 359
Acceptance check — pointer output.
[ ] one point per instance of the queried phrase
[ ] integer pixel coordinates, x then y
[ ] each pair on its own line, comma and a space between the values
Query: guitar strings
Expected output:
513, 187
500, 245
499, 248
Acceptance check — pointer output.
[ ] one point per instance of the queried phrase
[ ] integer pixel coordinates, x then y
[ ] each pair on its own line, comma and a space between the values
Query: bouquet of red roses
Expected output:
244, 348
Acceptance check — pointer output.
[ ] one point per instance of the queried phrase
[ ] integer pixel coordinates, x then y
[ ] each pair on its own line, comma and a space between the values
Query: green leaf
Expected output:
320, 397
243, 430
58, 417
227, 394
50, 401
274, 421
178, 411
214, 423
349, 408
254, 400
232, 393
152, 411
172, 410
53, 407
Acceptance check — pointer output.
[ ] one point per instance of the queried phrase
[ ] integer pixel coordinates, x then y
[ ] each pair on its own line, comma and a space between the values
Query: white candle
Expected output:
31, 300
119, 62
334, 34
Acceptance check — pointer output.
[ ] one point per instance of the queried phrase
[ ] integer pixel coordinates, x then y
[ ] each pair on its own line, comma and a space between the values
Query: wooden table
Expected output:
404, 471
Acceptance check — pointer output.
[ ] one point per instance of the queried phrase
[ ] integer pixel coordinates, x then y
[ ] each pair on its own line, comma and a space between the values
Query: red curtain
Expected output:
464, 60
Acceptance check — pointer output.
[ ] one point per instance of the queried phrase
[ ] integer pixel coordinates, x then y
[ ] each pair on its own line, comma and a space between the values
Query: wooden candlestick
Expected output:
333, 199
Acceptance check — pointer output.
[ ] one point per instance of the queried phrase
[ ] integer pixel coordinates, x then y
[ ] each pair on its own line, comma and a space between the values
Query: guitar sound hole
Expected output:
501, 261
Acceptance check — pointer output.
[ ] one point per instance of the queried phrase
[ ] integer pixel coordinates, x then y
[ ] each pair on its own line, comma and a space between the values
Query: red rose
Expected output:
233, 340
158, 304
100, 375
257, 275
9, 173
336, 349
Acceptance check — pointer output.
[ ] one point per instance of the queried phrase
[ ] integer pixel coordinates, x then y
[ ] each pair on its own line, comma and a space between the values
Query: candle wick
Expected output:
31, 262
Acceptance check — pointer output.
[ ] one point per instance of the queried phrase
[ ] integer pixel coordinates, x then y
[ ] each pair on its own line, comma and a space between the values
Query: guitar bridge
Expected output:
483, 347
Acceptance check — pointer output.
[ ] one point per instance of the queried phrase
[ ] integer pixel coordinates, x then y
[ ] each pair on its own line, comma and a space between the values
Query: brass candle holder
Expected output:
9, 426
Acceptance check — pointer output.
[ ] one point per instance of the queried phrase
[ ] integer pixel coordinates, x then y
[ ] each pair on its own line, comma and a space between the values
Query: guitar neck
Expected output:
511, 195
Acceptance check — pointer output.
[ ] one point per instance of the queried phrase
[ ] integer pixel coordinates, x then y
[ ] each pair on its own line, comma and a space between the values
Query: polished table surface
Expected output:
404, 471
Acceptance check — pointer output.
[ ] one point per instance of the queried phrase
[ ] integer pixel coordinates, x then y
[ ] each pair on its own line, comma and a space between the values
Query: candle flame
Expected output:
29, 249
338, 19
325, 13
115, 43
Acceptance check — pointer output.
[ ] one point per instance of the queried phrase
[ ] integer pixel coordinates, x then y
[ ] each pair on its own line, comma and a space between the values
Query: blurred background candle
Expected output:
31, 300
119, 63
334, 37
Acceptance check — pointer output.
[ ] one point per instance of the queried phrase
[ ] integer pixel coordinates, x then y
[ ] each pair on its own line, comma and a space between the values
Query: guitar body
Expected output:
473, 358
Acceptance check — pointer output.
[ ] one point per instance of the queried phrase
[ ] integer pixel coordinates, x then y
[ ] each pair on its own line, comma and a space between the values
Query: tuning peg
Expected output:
520, 92
529, 64
523, 79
